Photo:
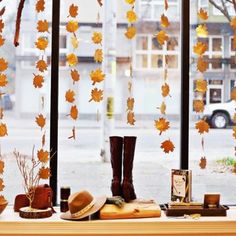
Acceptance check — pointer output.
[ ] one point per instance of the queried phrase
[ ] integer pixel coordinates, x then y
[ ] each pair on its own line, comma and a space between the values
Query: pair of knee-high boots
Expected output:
122, 151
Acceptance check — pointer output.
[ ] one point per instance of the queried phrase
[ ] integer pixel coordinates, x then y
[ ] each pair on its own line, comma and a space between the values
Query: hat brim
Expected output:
99, 202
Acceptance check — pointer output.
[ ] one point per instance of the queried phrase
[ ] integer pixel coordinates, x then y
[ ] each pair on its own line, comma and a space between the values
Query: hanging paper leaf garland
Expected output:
162, 124
130, 34
200, 49
38, 82
72, 60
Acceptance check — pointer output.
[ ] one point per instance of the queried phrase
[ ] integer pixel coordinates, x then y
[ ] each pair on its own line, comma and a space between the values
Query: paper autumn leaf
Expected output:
3, 130
234, 132
72, 26
44, 173
131, 16
130, 1
203, 163
167, 146
233, 23
202, 65
202, 31
198, 105
130, 32
96, 95
40, 5
233, 94
97, 37
162, 37
42, 26
1, 25
1, 184
74, 42
1, 113
72, 59
70, 96
202, 14
98, 55
97, 76
166, 5
234, 42
234, 118
40, 120
130, 104
43, 156
162, 125
2, 164
2, 41
200, 48
165, 90
43, 139
3, 64
164, 21
73, 134
38, 81
201, 85
41, 43
73, 10
202, 126
162, 108
2, 199
75, 76
41, 65
130, 118
3, 80
74, 112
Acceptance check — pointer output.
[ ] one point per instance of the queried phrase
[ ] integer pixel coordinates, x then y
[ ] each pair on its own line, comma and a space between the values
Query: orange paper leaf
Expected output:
202, 126
233, 94
202, 65
1, 25
73, 10
131, 16
162, 125
42, 26
40, 5
233, 23
70, 96
130, 118
72, 59
97, 37
164, 21
130, 32
2, 41
202, 14
96, 95
130, 104
234, 132
72, 26
43, 156
3, 130
3, 80
98, 55
38, 81
41, 65
2, 164
75, 76
3, 64
167, 146
234, 42
97, 76
41, 43
198, 105
200, 48
74, 112
162, 37
1, 184
44, 173
40, 120
165, 89
203, 163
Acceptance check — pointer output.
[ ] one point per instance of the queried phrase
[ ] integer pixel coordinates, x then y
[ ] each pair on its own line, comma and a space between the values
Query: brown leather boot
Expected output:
116, 149
127, 184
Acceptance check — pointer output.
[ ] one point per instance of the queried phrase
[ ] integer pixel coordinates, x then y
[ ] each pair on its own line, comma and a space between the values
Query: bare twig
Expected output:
222, 8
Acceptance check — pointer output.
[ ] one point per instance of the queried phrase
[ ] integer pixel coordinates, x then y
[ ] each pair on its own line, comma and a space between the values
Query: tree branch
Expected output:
222, 9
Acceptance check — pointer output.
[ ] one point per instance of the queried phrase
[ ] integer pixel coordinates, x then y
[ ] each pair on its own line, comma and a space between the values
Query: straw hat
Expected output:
83, 204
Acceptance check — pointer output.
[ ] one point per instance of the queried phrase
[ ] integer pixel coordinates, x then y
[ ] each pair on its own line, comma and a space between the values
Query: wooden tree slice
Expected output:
31, 213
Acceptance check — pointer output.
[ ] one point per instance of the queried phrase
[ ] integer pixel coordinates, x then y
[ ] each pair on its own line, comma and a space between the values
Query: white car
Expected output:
219, 115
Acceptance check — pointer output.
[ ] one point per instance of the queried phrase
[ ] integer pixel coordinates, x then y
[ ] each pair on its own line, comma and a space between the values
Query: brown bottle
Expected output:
65, 193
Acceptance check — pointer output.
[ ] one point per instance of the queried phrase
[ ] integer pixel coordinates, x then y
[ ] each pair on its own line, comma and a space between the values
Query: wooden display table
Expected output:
12, 224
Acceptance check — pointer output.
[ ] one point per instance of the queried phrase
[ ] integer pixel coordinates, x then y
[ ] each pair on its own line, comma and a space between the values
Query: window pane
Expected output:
217, 44
172, 44
172, 61
157, 61
142, 61
216, 62
142, 43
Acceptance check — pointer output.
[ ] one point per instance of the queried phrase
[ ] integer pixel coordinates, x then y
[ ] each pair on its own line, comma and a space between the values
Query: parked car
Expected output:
219, 115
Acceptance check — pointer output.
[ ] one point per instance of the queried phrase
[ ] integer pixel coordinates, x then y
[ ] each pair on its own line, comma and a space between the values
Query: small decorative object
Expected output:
65, 193
181, 185
211, 200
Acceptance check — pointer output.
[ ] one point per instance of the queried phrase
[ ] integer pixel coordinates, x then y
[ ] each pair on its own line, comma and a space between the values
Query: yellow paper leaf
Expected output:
3, 80
73, 10
233, 94
202, 31
202, 126
130, 104
41, 65
202, 14
162, 37
42, 26
97, 76
70, 96
97, 37
202, 65
41, 43
130, 118
200, 48
2, 41
130, 1
96, 95
2, 164
233, 23
131, 16
74, 42
72, 59
75, 76
40, 5
72, 26
167, 146
198, 105
43, 156
3, 64
164, 21
165, 90
38, 81
74, 112
40, 120
2, 186
98, 55
130, 32
201, 85
3, 130
44, 173
162, 125
162, 108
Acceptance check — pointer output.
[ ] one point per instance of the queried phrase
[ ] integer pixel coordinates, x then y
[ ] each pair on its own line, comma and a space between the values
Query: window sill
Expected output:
12, 224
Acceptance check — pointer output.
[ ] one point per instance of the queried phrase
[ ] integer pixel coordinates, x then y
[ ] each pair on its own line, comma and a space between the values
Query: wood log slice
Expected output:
31, 213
